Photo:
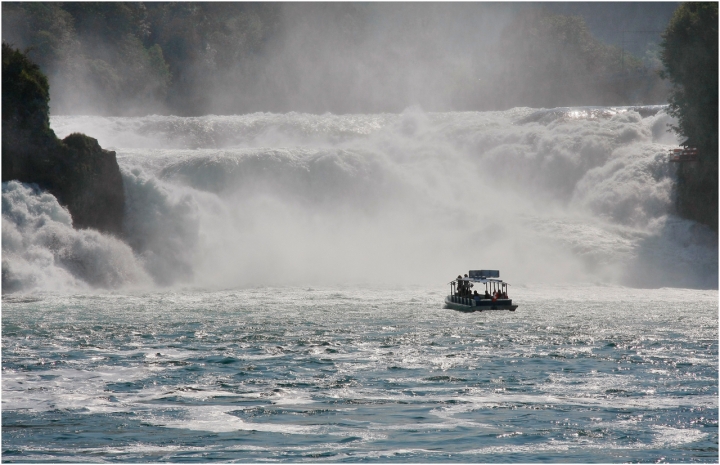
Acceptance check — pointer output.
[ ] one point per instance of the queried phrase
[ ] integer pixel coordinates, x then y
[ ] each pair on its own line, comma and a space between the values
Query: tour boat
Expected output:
463, 298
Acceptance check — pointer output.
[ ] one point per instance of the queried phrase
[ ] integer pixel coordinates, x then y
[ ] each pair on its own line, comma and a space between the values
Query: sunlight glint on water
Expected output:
598, 374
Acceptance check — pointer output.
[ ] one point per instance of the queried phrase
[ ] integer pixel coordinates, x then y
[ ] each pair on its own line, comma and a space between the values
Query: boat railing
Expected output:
471, 302
462, 300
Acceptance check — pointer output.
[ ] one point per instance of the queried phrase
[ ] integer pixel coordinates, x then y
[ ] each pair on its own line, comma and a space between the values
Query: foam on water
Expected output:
218, 420
577, 373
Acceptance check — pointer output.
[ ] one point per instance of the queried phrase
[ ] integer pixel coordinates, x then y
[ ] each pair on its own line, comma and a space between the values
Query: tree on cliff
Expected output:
690, 56
25, 96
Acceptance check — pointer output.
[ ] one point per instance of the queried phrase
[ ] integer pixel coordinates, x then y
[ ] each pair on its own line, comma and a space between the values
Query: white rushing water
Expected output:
580, 195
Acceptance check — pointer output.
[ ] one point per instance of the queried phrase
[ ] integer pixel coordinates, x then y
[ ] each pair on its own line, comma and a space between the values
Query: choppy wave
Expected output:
560, 195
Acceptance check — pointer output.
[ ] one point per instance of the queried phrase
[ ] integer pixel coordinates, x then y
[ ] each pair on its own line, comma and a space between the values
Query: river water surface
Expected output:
579, 374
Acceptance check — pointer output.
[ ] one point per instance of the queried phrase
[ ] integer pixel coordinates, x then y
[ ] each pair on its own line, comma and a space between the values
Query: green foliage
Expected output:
690, 56
25, 93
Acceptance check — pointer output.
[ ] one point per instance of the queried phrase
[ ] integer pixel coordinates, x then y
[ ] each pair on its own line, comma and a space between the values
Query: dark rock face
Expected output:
90, 184
77, 171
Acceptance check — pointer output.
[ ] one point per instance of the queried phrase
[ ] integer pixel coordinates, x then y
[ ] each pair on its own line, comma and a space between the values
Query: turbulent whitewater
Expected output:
563, 195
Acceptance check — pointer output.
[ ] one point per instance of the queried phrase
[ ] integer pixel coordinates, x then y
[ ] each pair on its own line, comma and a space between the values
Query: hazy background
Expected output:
192, 58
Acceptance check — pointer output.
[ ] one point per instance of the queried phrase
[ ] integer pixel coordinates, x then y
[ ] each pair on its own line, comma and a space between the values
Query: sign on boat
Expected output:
463, 297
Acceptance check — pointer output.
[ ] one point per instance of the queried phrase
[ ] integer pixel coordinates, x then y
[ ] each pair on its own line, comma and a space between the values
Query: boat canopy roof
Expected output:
483, 276
482, 280
484, 273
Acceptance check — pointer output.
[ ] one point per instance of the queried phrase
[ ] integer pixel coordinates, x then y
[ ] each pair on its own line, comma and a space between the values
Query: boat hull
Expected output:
466, 304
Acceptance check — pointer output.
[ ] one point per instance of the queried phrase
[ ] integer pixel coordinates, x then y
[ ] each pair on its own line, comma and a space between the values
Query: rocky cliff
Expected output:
76, 170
